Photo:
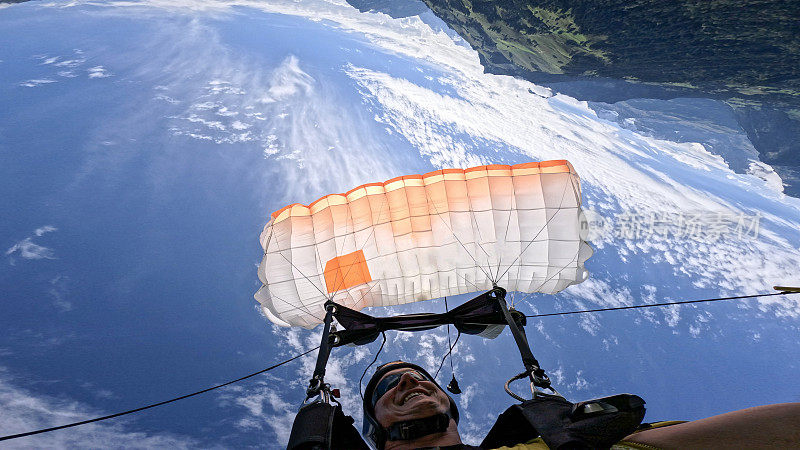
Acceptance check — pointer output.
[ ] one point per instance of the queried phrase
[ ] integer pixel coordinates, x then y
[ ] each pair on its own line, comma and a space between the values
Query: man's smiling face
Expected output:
412, 398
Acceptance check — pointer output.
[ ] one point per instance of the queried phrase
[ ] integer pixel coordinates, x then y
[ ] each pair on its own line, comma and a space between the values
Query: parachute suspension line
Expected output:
360, 380
470, 282
292, 307
302, 306
130, 411
439, 215
329, 297
450, 344
280, 252
449, 353
317, 254
561, 202
478, 241
546, 280
508, 224
574, 258
505, 236
684, 302
364, 294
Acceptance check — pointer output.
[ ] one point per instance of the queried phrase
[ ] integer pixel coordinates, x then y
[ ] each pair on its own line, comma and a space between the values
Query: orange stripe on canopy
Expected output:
528, 165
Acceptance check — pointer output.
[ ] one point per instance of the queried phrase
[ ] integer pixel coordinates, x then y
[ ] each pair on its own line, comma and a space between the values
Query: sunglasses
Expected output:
390, 381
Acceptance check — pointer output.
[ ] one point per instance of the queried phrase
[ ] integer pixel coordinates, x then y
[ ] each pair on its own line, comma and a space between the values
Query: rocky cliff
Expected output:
745, 52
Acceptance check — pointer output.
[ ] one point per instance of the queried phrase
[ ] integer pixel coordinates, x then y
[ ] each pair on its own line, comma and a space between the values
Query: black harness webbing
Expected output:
317, 382
562, 425
533, 371
323, 426
416, 428
477, 316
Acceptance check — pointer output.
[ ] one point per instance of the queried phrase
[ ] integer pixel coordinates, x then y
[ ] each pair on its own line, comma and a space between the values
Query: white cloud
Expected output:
467, 395
265, 409
36, 82
45, 229
28, 249
580, 383
621, 170
167, 99
22, 410
237, 125
70, 63
58, 292
98, 72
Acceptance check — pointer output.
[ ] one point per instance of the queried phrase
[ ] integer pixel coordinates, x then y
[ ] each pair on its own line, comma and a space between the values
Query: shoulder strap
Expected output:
562, 425
323, 426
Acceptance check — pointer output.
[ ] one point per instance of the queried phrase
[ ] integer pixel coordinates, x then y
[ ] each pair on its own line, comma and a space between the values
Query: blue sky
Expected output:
139, 161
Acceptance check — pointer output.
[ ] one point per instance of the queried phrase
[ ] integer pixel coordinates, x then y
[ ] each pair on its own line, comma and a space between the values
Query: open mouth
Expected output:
410, 396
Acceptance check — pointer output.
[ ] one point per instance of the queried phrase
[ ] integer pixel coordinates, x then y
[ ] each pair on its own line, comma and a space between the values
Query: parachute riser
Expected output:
317, 385
470, 318
533, 371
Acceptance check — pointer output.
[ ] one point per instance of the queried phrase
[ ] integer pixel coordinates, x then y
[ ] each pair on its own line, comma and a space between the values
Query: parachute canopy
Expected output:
419, 237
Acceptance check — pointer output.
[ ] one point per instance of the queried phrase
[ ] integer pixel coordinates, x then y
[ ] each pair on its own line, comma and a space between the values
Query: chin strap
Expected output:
414, 429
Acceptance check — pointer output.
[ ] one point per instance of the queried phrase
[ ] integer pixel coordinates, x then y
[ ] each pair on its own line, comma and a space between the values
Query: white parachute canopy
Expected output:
419, 237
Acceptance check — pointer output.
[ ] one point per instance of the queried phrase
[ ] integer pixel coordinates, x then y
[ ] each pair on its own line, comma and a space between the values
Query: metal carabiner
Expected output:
322, 392
541, 378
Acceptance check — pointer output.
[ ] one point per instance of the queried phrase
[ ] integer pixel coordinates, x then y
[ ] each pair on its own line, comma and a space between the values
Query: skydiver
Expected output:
403, 395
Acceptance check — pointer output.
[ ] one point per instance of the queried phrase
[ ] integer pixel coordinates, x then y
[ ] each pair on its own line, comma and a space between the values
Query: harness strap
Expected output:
562, 425
317, 382
416, 428
536, 374
323, 426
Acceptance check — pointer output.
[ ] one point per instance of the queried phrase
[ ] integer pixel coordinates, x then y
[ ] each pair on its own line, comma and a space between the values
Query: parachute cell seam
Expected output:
574, 258
302, 306
561, 202
292, 307
362, 248
451, 270
438, 214
508, 224
416, 254
364, 294
374, 227
272, 294
479, 239
344, 240
317, 255
406, 234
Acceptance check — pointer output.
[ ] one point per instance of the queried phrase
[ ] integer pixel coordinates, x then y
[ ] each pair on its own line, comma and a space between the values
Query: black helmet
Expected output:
375, 434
